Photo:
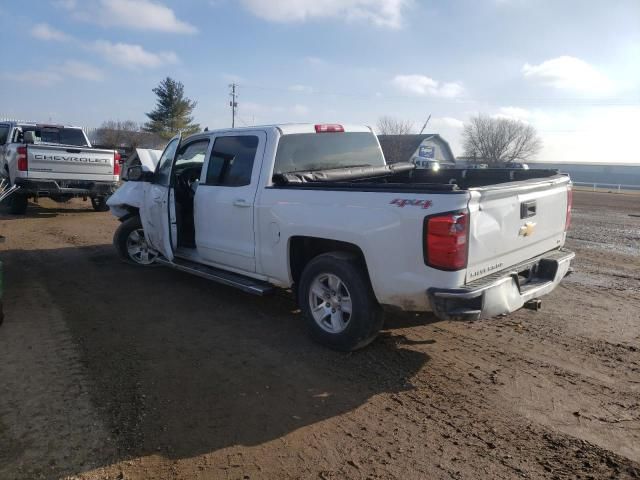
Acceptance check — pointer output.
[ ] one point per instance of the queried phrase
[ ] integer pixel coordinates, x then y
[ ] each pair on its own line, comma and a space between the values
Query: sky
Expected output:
570, 68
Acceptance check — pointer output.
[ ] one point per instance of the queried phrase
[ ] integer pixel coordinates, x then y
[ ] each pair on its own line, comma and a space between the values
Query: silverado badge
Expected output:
527, 229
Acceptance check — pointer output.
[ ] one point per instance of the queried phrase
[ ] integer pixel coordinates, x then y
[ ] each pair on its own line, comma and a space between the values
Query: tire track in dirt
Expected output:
45, 410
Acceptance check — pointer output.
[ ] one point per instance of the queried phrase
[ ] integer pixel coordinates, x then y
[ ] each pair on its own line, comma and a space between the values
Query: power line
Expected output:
563, 101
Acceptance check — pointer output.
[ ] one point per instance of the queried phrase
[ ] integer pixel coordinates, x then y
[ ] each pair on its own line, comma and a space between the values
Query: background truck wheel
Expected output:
338, 303
100, 204
131, 243
18, 204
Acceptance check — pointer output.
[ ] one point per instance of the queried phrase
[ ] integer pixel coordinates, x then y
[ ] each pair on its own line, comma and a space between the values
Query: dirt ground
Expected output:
109, 371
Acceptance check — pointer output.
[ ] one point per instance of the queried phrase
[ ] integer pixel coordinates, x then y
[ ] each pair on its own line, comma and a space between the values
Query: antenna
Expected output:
425, 124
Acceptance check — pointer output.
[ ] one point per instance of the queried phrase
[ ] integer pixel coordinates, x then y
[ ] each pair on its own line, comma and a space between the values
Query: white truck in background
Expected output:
55, 161
315, 208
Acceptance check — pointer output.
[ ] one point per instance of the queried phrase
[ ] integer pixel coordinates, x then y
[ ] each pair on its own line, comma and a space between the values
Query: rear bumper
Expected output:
47, 188
502, 292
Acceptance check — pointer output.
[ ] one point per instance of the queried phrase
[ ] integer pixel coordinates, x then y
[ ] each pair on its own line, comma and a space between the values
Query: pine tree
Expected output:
172, 114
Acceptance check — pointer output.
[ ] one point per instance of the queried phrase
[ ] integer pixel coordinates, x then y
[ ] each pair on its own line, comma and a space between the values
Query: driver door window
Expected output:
163, 170
192, 155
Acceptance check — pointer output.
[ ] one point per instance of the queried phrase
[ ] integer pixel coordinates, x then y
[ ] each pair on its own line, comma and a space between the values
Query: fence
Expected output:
611, 186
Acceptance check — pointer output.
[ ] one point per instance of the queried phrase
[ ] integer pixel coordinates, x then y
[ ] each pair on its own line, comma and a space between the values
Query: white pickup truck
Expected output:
55, 161
315, 208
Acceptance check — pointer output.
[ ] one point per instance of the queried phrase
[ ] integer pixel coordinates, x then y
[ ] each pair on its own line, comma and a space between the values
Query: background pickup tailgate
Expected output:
512, 223
69, 162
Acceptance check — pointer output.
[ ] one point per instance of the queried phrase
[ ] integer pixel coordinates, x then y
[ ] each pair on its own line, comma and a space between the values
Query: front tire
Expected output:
131, 243
18, 204
99, 204
338, 303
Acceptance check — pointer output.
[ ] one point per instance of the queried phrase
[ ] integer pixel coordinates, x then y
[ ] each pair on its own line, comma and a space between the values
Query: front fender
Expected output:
129, 195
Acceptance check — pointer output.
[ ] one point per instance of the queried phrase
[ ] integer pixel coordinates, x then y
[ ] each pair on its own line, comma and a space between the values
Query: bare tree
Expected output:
499, 141
117, 134
393, 126
392, 142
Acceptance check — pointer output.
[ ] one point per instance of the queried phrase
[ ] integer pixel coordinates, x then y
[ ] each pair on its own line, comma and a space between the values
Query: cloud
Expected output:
133, 56
80, 70
514, 113
301, 89
48, 33
426, 86
315, 61
133, 14
300, 110
40, 78
569, 73
383, 13
53, 75
447, 122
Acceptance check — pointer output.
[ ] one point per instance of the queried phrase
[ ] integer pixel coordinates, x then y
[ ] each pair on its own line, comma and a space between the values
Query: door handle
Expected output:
241, 202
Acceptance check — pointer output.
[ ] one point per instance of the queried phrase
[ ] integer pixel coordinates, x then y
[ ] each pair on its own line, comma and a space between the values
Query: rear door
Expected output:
158, 212
224, 202
512, 224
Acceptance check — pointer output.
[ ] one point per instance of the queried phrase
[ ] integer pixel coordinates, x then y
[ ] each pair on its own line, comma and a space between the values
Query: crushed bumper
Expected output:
504, 291
46, 188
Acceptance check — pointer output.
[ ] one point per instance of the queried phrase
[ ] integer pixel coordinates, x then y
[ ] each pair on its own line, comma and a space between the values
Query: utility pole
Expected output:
233, 104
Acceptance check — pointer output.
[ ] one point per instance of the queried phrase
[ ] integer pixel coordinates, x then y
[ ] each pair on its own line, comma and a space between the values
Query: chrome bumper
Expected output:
504, 291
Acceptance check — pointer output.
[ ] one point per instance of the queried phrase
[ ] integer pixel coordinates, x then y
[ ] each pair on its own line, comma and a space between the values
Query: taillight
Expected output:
116, 163
23, 161
567, 223
445, 242
329, 128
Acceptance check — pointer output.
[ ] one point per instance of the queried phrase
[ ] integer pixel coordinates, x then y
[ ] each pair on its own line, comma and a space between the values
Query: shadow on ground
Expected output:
179, 366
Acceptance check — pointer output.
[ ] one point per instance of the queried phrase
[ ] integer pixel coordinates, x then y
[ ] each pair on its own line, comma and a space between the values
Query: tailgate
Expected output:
73, 161
512, 223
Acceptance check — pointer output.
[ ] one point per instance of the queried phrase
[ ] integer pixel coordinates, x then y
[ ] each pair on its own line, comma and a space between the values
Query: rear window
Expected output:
323, 151
62, 136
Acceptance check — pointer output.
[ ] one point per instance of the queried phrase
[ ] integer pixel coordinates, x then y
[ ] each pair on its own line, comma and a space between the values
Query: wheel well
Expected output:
304, 249
132, 212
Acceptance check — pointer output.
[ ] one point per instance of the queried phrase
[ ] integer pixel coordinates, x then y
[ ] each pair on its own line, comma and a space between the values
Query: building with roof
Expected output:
423, 149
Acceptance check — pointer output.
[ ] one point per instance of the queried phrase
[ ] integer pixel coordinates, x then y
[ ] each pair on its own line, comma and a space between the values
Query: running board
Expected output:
246, 284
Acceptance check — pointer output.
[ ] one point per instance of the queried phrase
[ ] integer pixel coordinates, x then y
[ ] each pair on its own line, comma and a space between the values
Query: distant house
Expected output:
423, 150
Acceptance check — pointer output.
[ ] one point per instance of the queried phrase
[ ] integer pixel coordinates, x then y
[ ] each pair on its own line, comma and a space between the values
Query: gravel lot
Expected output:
111, 371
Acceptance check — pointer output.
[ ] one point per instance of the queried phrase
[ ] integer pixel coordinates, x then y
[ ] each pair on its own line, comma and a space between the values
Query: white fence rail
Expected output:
612, 186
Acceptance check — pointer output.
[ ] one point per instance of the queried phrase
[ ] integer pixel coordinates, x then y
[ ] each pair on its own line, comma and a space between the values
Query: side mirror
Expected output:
135, 173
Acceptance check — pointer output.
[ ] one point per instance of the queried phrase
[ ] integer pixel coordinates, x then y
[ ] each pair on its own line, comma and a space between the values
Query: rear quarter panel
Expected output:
388, 230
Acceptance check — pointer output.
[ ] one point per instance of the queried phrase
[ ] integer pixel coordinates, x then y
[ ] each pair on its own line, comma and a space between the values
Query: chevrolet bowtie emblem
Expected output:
527, 229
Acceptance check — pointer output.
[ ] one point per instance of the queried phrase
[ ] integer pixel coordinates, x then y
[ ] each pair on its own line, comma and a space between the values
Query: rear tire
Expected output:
338, 303
131, 243
18, 204
99, 204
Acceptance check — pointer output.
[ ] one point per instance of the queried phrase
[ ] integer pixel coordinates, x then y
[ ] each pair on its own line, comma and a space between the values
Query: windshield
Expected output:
58, 135
323, 151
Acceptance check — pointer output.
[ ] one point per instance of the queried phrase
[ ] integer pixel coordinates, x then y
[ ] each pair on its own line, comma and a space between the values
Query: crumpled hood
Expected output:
132, 193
